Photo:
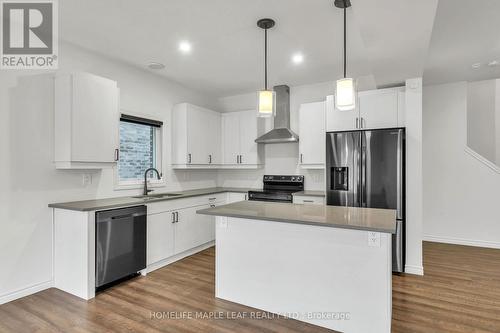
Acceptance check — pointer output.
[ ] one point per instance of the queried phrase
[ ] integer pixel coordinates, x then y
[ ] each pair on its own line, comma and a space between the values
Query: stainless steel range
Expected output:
278, 188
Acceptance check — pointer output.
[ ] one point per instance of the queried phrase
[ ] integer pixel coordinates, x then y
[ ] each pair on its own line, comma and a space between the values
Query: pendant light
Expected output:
266, 98
345, 92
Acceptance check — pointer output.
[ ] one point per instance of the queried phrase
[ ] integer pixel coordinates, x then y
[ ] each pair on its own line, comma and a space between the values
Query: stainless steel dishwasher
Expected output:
120, 244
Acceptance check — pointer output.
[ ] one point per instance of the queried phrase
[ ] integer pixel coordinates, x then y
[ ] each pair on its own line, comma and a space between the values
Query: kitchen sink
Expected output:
157, 196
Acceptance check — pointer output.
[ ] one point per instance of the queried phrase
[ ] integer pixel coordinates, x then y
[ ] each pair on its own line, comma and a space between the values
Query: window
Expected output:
140, 149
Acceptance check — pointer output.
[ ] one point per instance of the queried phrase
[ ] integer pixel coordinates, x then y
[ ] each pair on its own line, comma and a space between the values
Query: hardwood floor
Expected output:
459, 293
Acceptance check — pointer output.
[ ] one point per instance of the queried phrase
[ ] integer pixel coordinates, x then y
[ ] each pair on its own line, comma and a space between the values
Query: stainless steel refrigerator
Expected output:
366, 169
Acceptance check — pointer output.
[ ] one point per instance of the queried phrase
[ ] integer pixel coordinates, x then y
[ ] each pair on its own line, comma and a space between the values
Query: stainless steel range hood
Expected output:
281, 132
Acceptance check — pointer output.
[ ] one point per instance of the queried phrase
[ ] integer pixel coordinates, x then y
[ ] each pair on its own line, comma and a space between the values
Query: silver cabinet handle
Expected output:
189, 158
363, 122
173, 217
245, 197
241, 159
307, 200
117, 155
357, 122
209, 159
176, 217
301, 158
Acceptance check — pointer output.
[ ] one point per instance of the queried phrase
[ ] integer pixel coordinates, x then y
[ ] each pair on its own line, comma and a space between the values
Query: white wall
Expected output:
461, 194
279, 158
29, 181
481, 108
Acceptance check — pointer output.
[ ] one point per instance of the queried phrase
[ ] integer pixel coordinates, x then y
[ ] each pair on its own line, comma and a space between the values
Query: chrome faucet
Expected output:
146, 191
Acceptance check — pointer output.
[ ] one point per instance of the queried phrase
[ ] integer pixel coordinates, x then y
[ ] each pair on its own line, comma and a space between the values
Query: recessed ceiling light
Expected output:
493, 63
155, 65
297, 58
185, 46
476, 65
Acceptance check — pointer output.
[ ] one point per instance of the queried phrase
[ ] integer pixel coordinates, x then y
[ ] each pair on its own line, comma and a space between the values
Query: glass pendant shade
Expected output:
267, 103
345, 94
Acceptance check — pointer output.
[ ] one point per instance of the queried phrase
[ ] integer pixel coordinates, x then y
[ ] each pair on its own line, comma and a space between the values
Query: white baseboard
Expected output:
462, 241
25, 291
415, 270
177, 257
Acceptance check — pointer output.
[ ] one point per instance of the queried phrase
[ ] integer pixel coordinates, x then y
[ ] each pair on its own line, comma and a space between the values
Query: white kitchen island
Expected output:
325, 265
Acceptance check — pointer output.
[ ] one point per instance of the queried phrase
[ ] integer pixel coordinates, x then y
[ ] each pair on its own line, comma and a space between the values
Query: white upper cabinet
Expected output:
337, 120
196, 136
378, 109
312, 135
382, 108
240, 129
86, 121
231, 137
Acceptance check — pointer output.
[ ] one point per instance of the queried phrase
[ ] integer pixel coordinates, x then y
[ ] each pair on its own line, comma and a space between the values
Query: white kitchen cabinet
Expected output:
378, 108
337, 120
312, 149
86, 121
308, 199
192, 230
382, 108
231, 138
239, 131
235, 197
160, 240
196, 136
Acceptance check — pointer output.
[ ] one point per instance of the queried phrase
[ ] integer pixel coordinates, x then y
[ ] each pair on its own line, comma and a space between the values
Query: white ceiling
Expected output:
388, 40
465, 32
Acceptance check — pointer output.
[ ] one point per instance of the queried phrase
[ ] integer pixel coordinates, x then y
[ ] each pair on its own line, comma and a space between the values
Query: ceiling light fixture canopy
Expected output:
345, 92
266, 98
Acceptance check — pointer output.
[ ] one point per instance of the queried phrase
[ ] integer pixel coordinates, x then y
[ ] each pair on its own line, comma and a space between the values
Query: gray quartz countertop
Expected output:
100, 204
311, 193
368, 219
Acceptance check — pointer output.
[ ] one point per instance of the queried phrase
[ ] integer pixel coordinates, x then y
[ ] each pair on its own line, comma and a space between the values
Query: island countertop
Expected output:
367, 219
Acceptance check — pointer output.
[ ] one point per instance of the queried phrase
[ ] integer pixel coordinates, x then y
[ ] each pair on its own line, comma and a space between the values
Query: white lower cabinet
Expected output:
192, 230
160, 237
236, 196
308, 199
175, 227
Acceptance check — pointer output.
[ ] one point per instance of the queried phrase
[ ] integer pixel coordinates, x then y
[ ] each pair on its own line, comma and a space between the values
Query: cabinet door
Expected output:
379, 109
193, 229
213, 135
248, 129
312, 134
337, 120
231, 137
95, 119
160, 237
235, 197
198, 143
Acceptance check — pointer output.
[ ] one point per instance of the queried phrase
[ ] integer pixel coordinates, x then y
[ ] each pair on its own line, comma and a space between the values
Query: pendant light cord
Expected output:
345, 45
265, 58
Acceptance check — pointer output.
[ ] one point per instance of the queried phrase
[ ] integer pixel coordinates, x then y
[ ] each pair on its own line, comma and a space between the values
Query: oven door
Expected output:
270, 196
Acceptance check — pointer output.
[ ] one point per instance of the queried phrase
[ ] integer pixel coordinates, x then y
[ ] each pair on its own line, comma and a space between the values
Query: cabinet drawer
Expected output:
309, 200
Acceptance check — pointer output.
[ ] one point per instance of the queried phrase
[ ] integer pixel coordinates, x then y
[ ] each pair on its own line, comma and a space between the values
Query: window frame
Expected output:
159, 157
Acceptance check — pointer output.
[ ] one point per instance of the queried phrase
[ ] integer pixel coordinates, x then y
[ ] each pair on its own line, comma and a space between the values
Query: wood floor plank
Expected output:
459, 293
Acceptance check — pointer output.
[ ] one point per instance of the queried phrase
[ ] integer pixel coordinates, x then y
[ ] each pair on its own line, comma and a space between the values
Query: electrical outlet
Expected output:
374, 239
86, 179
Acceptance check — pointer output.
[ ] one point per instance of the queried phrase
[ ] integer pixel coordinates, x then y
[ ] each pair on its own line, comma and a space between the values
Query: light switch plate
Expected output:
374, 239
